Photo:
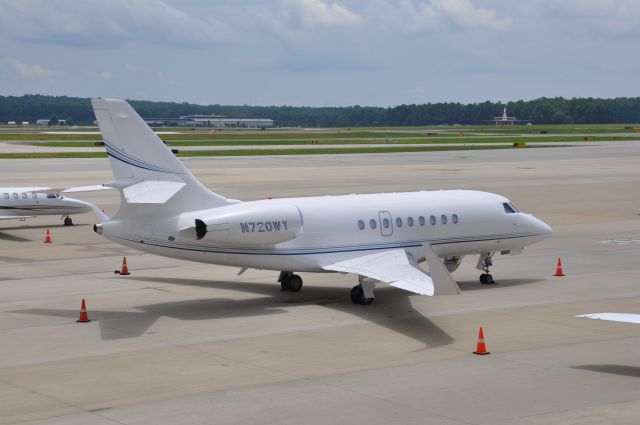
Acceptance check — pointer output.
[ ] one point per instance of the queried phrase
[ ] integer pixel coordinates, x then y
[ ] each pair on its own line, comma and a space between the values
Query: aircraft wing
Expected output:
14, 217
393, 267
614, 317
91, 188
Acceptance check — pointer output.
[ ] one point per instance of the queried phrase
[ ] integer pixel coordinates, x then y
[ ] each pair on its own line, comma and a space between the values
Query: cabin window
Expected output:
6, 196
15, 196
372, 224
508, 208
421, 220
410, 221
360, 224
34, 195
386, 223
454, 218
24, 196
398, 222
443, 219
432, 220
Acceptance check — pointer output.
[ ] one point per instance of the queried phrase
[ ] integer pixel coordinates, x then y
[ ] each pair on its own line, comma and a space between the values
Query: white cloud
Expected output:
319, 13
616, 16
409, 15
99, 23
25, 70
106, 75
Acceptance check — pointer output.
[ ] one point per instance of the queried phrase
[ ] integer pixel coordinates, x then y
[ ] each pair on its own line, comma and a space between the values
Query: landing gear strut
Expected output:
68, 221
486, 278
357, 296
290, 282
363, 292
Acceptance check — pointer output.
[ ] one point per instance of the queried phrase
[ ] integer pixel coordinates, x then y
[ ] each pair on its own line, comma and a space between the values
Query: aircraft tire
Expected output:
486, 279
295, 283
357, 296
286, 285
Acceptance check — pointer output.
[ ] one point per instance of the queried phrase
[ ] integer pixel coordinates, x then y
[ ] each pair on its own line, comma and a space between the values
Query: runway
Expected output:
187, 343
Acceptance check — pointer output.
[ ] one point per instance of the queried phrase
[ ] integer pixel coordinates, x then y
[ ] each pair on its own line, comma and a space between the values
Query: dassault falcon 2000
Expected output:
380, 237
25, 202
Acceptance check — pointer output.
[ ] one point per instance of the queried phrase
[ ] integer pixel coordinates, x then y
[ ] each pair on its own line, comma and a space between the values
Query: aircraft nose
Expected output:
542, 227
86, 207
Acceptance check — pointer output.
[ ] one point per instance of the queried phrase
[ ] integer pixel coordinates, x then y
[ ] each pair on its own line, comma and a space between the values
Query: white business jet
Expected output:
25, 202
380, 237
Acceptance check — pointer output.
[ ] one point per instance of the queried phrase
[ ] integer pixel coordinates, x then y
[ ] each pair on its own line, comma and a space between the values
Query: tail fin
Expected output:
138, 155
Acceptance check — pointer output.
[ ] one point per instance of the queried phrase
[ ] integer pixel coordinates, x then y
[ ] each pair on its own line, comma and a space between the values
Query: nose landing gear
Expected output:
484, 263
68, 221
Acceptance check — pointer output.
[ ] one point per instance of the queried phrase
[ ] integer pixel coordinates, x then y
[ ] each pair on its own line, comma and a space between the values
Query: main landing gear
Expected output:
68, 221
290, 282
357, 296
483, 264
363, 292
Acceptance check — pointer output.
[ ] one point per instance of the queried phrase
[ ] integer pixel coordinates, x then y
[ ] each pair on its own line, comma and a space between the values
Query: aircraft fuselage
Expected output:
313, 232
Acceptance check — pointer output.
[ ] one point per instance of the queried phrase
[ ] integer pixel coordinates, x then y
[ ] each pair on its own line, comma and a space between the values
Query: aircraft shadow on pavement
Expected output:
614, 369
392, 309
474, 285
13, 238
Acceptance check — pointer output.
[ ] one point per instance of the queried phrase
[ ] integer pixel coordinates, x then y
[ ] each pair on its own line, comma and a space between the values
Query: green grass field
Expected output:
293, 142
334, 140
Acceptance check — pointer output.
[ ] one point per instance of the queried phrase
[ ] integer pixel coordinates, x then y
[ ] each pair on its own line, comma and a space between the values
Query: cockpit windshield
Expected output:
509, 208
53, 195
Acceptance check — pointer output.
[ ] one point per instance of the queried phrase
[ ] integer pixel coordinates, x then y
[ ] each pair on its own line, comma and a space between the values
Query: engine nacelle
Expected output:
251, 225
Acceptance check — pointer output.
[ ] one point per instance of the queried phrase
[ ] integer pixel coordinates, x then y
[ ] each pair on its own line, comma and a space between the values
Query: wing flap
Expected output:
393, 267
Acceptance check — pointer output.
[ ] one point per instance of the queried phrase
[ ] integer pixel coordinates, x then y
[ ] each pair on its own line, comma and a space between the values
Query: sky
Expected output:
320, 52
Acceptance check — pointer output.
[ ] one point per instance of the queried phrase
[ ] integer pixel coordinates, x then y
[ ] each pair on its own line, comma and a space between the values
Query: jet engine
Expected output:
251, 225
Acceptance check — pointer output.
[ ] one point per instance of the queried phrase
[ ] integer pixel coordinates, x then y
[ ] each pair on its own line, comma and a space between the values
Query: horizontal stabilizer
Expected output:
392, 267
152, 191
614, 317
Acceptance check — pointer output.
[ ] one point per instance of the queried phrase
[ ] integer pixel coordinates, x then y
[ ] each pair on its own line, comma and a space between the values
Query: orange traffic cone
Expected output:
125, 269
481, 348
559, 271
84, 318
47, 238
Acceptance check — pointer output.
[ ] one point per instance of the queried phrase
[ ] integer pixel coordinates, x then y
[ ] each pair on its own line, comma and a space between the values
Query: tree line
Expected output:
556, 110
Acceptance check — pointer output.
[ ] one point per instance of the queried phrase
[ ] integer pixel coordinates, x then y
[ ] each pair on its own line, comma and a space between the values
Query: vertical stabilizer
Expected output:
138, 155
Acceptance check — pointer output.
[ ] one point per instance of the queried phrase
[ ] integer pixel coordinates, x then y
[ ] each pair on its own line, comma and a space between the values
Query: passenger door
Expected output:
386, 224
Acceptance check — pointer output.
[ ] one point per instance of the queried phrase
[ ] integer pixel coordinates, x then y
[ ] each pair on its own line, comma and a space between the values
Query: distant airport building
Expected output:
507, 120
45, 122
216, 121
